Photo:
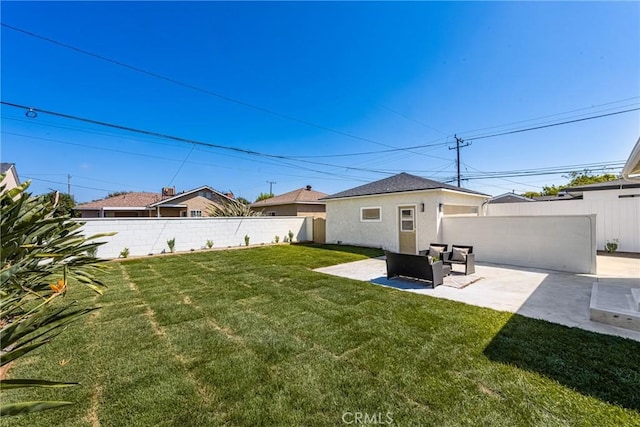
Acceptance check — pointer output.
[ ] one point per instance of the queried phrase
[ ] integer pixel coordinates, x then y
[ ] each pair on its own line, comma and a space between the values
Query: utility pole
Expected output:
68, 184
271, 186
457, 148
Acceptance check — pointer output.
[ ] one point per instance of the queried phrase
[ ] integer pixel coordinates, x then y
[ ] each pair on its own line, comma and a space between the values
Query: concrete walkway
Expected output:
542, 294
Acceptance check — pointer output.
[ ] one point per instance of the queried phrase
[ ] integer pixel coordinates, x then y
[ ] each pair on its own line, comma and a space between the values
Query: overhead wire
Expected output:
182, 139
475, 138
196, 88
550, 115
334, 177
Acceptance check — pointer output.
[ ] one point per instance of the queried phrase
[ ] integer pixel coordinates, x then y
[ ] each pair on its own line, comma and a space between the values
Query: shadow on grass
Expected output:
602, 366
360, 250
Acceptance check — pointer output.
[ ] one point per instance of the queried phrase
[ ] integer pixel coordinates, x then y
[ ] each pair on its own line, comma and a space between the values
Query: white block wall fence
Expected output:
145, 236
564, 242
616, 218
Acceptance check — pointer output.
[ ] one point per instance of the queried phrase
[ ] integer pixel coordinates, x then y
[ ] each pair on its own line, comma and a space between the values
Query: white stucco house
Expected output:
401, 213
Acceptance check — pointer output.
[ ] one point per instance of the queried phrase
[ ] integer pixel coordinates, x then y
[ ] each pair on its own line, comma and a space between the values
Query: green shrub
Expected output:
43, 255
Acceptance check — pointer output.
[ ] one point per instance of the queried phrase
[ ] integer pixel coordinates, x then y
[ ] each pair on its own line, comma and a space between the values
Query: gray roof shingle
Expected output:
401, 182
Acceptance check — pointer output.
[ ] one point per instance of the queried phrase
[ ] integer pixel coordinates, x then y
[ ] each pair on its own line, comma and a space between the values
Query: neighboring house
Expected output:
619, 188
401, 213
193, 203
509, 198
10, 179
300, 202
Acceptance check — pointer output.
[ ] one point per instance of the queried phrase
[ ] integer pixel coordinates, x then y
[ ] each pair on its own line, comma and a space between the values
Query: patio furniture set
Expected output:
432, 264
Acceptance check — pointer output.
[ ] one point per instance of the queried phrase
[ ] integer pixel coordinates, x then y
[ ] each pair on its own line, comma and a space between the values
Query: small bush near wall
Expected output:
144, 236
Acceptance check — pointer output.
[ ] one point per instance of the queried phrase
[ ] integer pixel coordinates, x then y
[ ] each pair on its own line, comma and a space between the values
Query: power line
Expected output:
555, 114
196, 88
333, 177
64, 183
32, 110
553, 124
614, 164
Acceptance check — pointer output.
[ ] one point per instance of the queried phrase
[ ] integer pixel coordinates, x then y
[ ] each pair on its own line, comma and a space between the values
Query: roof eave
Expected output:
484, 196
631, 169
287, 203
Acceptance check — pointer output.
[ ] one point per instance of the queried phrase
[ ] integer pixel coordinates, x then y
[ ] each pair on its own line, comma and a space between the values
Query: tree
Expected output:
585, 178
231, 208
243, 200
117, 193
43, 256
575, 179
64, 204
532, 194
264, 196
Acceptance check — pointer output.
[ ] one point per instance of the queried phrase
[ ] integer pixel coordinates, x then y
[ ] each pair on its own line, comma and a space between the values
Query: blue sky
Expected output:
327, 79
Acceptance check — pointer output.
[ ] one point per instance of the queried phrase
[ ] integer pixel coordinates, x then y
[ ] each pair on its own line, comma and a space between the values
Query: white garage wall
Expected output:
344, 225
616, 218
145, 236
564, 243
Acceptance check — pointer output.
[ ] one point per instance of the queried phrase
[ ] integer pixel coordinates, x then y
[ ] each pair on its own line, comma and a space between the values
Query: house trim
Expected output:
362, 208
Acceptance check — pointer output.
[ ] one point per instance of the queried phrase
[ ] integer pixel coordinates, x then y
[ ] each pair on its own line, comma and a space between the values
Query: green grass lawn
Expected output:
253, 337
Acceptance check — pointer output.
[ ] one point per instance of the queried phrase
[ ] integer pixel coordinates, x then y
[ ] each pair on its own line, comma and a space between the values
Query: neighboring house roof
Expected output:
510, 198
609, 185
128, 200
9, 167
5, 167
401, 182
631, 170
560, 196
186, 193
305, 196
137, 200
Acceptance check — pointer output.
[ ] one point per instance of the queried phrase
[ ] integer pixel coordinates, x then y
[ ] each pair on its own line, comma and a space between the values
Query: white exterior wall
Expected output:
144, 236
616, 218
344, 225
564, 243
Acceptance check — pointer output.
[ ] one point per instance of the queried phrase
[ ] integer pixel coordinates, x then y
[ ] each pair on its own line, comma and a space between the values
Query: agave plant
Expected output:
41, 255
231, 208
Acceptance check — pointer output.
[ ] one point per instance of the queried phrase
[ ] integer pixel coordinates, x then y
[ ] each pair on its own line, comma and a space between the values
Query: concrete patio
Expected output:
542, 294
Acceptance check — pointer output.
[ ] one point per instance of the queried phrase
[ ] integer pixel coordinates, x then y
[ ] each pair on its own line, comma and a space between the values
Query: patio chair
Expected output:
435, 250
416, 267
461, 254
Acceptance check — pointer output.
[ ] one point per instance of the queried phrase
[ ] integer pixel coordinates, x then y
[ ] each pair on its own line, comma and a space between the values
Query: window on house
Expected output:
406, 220
270, 213
196, 213
373, 214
